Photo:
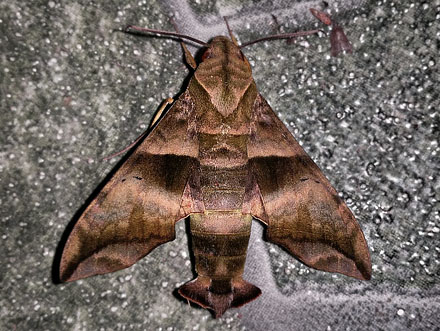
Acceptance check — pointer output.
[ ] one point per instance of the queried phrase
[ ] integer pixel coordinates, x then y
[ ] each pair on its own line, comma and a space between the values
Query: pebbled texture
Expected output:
73, 92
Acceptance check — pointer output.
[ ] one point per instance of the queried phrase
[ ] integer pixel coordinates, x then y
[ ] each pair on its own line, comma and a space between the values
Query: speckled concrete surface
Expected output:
73, 91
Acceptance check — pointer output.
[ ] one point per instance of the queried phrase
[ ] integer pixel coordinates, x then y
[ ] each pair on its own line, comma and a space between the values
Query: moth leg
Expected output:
159, 113
188, 56
126, 148
155, 119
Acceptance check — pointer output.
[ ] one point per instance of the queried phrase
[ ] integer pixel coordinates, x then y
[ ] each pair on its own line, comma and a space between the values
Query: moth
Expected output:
338, 40
221, 157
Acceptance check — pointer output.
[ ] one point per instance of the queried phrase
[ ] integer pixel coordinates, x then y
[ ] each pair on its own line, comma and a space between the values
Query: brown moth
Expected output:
338, 40
221, 156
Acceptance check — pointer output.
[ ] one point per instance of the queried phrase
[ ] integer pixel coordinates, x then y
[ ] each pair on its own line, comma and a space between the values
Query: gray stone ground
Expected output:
72, 91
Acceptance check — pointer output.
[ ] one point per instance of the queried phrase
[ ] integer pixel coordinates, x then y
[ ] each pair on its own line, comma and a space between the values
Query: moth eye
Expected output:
207, 55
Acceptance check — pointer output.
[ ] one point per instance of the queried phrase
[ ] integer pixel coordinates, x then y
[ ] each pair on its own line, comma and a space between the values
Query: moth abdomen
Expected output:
219, 242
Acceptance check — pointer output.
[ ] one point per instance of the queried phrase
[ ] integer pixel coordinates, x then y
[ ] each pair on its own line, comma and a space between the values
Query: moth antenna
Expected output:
131, 28
230, 31
282, 36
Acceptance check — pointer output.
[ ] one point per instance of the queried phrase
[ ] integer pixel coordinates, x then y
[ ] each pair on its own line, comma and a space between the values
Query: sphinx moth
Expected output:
221, 156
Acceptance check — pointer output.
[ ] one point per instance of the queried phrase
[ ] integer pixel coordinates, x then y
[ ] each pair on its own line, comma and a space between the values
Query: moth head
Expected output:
224, 73
222, 47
